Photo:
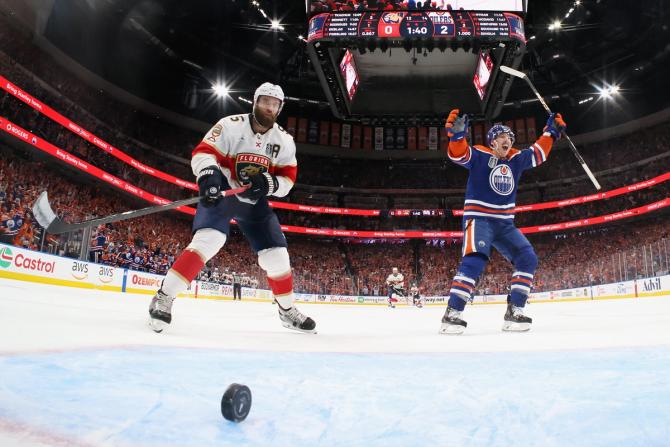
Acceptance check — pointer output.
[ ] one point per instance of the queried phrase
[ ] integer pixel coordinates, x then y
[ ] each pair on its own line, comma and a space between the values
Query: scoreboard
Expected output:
416, 24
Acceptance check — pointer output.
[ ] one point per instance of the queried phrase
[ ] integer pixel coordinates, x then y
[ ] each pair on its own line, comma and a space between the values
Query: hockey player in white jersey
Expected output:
248, 149
396, 283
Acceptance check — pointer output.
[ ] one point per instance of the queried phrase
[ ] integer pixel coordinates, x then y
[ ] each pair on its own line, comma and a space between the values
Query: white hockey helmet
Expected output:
268, 89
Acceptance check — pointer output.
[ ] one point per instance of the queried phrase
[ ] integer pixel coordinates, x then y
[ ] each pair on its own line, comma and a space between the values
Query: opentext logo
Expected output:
6, 257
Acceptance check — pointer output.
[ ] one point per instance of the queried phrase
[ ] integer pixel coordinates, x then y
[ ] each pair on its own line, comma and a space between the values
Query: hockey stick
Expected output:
53, 224
522, 75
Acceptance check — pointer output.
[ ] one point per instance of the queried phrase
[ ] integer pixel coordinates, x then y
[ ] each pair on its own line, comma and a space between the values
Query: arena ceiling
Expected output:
167, 50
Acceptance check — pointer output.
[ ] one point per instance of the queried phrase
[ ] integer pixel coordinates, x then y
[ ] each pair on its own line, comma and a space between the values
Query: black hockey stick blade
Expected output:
53, 224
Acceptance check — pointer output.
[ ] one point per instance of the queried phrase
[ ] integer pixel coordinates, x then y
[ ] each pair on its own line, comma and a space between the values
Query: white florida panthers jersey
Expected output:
241, 152
396, 280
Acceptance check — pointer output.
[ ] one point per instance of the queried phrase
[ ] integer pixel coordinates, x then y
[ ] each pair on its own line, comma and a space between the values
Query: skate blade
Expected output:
509, 326
290, 326
157, 325
451, 329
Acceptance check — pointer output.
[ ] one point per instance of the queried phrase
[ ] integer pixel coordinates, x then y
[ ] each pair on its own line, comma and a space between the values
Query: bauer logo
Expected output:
501, 180
6, 257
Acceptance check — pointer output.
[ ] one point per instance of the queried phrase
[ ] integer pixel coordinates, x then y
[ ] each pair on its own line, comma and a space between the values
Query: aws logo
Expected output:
79, 270
106, 274
6, 257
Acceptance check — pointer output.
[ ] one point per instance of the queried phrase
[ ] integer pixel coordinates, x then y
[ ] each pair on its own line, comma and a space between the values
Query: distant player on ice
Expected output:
488, 217
416, 296
247, 149
396, 284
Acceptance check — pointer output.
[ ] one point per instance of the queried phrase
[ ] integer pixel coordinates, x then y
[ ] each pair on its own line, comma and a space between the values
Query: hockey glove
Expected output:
555, 125
457, 127
263, 184
210, 182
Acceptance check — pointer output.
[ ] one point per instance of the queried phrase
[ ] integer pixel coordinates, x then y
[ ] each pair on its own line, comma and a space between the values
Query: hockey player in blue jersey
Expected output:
488, 215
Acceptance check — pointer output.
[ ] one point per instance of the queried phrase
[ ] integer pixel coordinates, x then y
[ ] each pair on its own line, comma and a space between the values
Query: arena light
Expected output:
221, 90
608, 91
276, 25
556, 25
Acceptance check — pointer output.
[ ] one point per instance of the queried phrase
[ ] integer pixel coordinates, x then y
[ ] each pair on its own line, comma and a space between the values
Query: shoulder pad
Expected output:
281, 129
236, 119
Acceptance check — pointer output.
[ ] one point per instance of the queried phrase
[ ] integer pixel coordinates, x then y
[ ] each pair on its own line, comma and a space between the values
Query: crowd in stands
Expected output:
54, 133
320, 266
378, 5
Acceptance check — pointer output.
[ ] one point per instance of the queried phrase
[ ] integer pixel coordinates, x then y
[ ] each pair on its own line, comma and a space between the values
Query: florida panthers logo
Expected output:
393, 17
248, 165
502, 180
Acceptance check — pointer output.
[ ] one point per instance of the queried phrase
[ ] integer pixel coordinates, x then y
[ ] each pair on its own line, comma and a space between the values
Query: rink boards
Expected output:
25, 265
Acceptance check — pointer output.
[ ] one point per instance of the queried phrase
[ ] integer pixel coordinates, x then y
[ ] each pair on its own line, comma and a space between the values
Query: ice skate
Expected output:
160, 311
452, 323
294, 319
515, 320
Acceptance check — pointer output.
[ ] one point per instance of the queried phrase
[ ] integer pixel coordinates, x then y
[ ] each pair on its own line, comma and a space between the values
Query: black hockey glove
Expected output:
210, 182
263, 184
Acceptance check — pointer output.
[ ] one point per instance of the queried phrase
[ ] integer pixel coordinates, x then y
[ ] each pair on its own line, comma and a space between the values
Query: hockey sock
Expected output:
276, 263
205, 244
463, 285
282, 289
522, 279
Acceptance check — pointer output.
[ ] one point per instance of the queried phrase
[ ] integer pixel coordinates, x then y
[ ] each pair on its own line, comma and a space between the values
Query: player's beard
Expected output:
265, 119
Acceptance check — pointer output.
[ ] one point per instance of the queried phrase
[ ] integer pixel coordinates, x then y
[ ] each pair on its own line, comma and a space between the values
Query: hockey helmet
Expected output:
268, 89
496, 130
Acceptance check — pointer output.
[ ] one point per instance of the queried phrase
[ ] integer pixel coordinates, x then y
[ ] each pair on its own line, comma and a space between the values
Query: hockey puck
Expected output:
236, 402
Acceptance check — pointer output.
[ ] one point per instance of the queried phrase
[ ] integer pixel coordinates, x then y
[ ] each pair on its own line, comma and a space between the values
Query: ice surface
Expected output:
82, 368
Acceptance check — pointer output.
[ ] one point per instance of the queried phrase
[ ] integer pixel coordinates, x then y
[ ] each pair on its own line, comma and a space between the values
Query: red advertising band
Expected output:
22, 134
459, 234
46, 110
27, 137
90, 137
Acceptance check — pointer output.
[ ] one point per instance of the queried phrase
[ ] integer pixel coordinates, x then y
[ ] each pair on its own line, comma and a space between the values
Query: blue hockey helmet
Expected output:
496, 130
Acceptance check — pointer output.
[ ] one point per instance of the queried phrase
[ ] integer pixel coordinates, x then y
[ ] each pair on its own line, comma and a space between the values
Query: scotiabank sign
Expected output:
23, 262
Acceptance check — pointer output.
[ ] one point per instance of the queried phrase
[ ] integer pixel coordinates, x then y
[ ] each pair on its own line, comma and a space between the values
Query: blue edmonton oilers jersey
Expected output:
493, 182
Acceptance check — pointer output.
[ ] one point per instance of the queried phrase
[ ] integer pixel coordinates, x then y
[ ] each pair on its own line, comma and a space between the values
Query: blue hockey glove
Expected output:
457, 126
555, 126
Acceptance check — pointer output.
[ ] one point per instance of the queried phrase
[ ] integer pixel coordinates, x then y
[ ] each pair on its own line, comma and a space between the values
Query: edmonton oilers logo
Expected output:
501, 180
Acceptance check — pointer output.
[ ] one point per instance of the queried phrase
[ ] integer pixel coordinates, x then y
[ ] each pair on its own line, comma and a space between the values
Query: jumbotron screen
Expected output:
349, 74
483, 73
320, 6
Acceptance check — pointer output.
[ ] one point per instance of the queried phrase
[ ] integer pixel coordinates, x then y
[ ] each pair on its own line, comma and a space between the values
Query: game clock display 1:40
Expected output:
401, 24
